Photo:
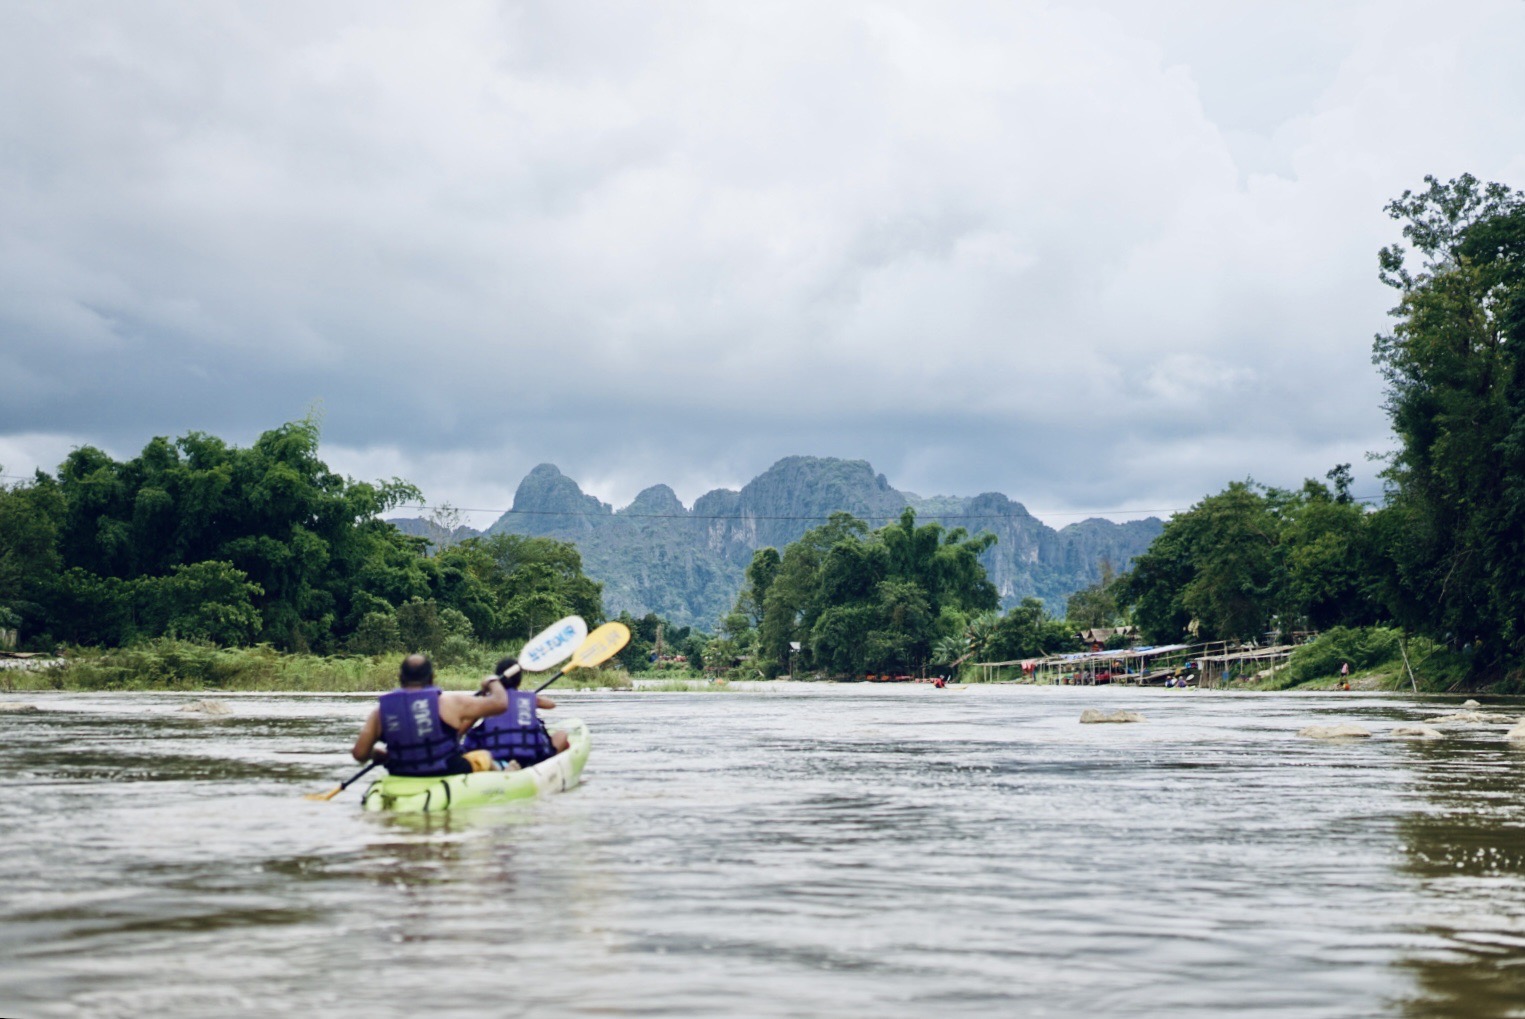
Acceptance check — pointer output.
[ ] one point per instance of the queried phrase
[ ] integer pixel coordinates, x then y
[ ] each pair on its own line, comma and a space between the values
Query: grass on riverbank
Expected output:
190, 666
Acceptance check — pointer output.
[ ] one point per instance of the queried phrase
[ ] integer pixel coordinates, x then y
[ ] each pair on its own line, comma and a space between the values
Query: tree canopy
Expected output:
196, 538
861, 601
1454, 528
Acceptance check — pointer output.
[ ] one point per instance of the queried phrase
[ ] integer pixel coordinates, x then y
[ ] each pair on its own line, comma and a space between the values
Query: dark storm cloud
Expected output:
1094, 255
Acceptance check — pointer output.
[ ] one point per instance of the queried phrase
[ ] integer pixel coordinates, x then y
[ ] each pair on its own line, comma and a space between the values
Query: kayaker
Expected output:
517, 737
421, 725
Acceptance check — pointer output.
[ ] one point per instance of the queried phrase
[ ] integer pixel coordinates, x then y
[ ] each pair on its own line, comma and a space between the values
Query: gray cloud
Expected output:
1095, 255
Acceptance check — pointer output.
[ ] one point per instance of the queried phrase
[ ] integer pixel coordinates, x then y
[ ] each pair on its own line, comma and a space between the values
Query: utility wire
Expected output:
808, 517
786, 516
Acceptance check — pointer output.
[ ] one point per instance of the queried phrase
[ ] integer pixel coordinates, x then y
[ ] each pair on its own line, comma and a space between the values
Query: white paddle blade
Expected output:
602, 644
553, 645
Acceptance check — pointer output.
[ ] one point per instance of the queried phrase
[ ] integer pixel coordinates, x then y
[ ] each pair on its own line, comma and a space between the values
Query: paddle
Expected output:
602, 644
551, 646
342, 786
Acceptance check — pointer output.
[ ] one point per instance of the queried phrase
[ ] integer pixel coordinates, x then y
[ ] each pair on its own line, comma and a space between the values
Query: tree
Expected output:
1251, 559
1096, 605
859, 600
761, 572
210, 600
1456, 396
377, 634
29, 559
1028, 632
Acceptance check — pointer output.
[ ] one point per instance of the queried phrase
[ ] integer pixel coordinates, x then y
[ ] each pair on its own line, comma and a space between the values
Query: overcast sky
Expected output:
1100, 256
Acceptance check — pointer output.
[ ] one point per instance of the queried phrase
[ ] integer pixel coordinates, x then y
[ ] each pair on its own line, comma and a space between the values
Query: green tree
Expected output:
1028, 632
308, 539
377, 634
30, 563
211, 601
1456, 396
761, 572
868, 601
419, 625
1249, 560
1097, 605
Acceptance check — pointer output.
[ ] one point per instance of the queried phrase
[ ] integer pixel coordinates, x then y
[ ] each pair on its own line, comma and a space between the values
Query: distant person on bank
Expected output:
517, 737
421, 725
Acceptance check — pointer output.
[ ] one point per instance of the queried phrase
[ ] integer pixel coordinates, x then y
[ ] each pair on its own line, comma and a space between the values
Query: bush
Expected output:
458, 649
377, 634
1363, 647
420, 626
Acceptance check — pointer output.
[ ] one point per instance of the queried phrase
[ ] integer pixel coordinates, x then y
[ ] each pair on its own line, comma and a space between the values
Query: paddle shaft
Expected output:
559, 674
343, 786
356, 776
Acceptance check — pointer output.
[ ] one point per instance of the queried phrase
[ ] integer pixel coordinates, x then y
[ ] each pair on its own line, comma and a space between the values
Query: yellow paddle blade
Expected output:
602, 644
335, 791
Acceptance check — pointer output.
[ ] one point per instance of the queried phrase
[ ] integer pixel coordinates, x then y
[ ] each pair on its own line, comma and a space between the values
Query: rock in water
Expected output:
1517, 734
1469, 703
1418, 732
12, 708
1090, 716
207, 708
1346, 731
1463, 716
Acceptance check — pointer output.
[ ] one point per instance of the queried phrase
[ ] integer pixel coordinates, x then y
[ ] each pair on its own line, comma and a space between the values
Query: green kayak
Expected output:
401, 794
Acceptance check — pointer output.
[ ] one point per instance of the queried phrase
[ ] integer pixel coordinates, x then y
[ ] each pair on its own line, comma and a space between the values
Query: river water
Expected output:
829, 850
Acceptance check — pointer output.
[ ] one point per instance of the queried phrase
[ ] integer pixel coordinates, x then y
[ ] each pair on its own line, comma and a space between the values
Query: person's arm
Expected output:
544, 703
466, 709
370, 732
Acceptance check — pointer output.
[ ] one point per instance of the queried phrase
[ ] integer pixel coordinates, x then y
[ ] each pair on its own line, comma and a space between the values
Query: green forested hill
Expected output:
687, 564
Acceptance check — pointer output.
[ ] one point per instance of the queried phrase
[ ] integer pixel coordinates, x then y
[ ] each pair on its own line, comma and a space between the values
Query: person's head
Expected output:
508, 671
416, 670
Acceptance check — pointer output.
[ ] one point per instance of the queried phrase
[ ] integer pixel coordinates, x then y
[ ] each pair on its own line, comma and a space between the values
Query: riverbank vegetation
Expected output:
165, 663
198, 540
845, 600
199, 564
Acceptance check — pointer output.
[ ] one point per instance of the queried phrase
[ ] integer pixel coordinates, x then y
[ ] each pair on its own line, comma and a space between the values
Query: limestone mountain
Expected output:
687, 564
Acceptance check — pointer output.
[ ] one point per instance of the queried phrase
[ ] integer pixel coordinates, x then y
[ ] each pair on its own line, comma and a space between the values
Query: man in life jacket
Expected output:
517, 737
421, 724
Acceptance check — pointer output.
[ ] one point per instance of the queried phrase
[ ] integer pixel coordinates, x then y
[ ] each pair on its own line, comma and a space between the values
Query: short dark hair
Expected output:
507, 665
416, 670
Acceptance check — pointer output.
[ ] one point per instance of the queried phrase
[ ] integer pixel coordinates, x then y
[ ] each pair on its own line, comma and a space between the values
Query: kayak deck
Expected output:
403, 794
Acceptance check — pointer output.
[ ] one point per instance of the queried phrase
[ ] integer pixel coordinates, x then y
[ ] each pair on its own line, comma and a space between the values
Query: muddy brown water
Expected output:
798, 852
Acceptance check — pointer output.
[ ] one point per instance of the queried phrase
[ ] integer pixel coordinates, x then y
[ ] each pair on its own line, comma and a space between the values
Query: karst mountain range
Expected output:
687, 564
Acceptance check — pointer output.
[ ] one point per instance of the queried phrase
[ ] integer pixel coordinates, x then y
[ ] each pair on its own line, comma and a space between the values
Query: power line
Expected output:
931, 515
1365, 499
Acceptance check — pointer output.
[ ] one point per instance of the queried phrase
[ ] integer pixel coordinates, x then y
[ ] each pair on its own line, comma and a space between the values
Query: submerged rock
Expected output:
1090, 716
1464, 716
13, 708
1418, 732
1346, 731
207, 708
1470, 703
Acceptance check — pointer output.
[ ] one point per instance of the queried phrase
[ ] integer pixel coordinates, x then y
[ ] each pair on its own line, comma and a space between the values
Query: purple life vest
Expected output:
419, 743
516, 735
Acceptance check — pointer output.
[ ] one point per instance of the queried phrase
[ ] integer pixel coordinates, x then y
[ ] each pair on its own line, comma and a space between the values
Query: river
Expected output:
810, 851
